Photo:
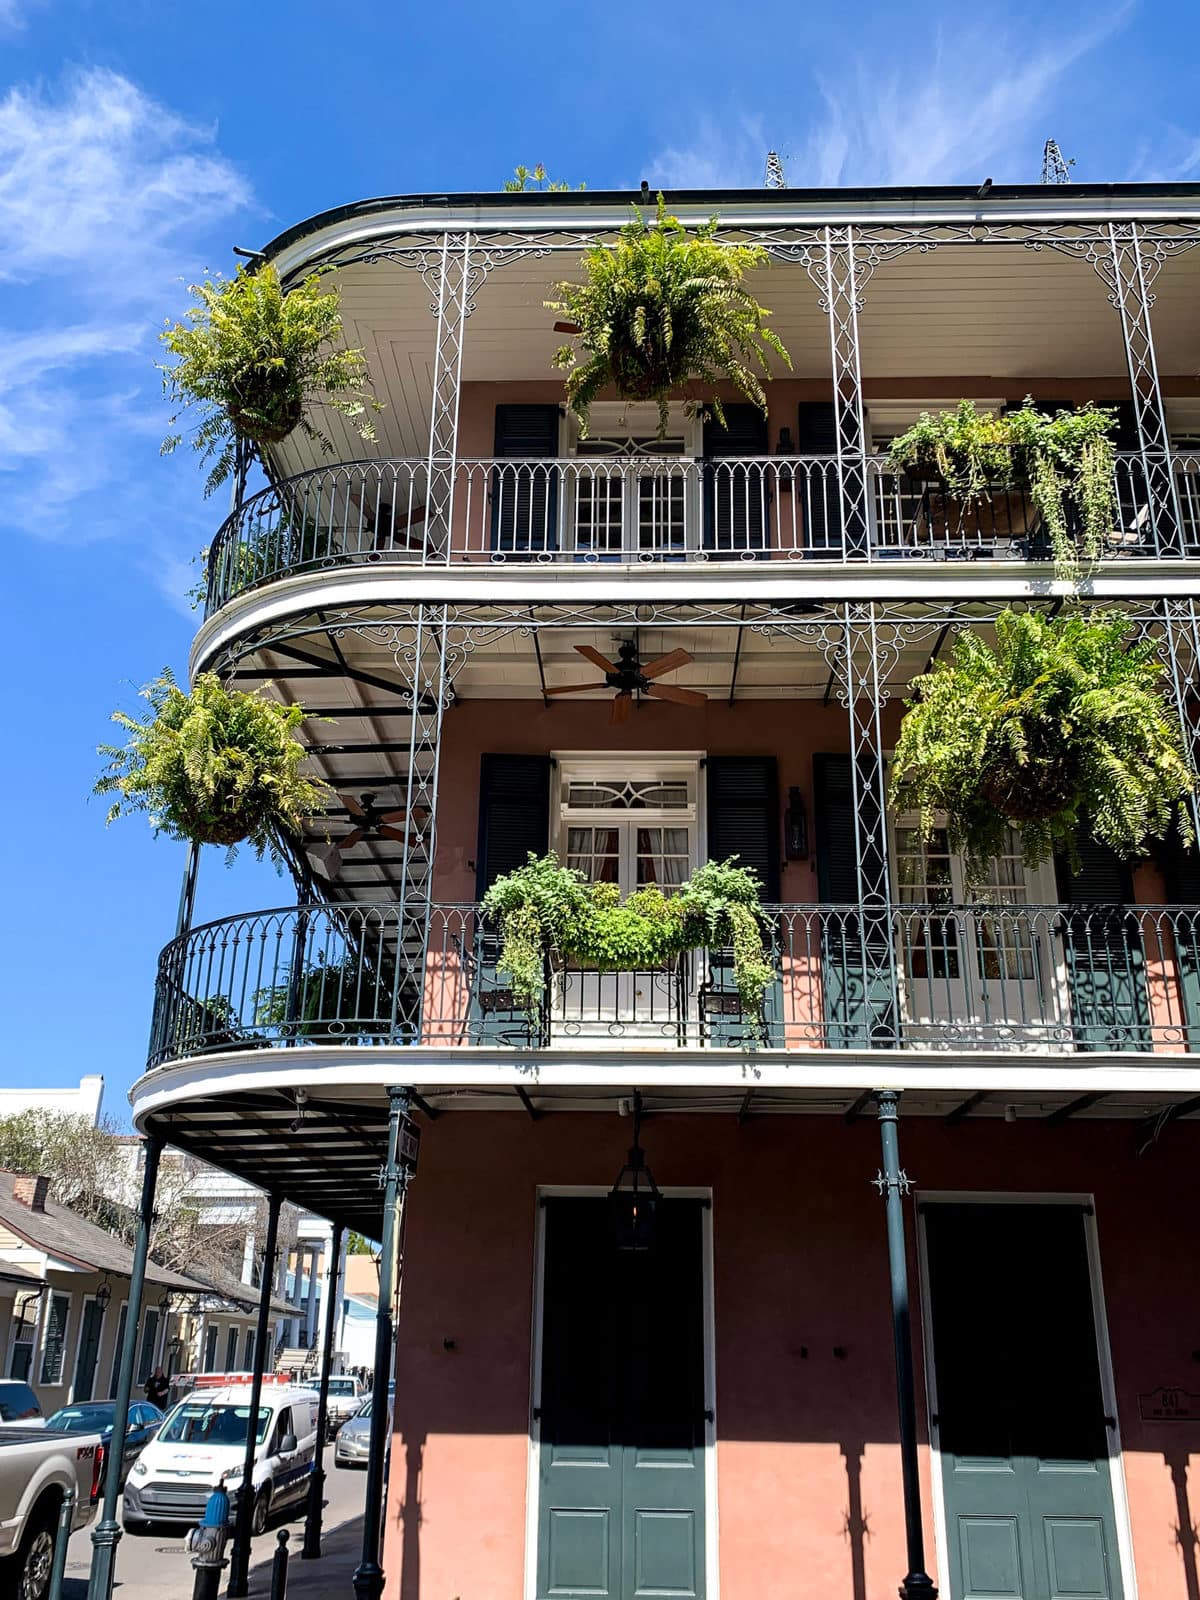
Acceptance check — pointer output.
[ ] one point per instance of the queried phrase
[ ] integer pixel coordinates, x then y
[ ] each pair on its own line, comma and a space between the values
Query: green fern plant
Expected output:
666, 306
255, 361
1059, 728
543, 908
217, 766
1067, 460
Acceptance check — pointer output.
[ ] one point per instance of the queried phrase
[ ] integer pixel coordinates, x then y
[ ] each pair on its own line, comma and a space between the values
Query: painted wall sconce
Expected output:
795, 827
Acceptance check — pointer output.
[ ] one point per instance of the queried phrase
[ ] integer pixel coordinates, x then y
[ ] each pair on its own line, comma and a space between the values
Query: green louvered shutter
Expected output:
525, 494
816, 435
742, 809
1181, 869
514, 819
736, 498
1105, 962
858, 999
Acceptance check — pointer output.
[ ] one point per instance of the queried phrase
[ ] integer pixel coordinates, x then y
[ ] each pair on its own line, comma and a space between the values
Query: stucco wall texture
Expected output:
808, 1497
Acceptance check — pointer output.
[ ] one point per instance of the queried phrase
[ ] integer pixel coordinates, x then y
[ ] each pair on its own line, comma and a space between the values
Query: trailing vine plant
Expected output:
664, 307
1058, 729
1067, 460
544, 908
254, 361
216, 766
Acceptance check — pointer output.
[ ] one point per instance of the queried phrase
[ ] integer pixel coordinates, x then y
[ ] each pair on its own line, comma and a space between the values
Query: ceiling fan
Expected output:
370, 823
628, 677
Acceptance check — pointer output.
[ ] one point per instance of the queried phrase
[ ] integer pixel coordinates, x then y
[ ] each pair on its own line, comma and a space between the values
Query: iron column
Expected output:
368, 1577
892, 1184
107, 1532
239, 1561
316, 1484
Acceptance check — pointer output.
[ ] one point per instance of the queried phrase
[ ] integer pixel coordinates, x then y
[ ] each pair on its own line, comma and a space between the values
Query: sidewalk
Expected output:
326, 1579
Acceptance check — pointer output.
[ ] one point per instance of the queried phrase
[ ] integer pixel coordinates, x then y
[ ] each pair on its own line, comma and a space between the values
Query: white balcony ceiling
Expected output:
976, 319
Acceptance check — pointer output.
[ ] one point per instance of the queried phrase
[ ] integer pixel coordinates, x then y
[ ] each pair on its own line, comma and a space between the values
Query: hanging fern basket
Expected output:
1034, 792
265, 413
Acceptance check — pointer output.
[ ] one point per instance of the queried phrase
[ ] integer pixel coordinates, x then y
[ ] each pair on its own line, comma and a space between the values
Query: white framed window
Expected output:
630, 495
25, 1310
629, 822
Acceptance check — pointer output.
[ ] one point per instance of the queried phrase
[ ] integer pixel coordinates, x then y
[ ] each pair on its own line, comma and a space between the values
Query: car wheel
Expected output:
261, 1511
35, 1556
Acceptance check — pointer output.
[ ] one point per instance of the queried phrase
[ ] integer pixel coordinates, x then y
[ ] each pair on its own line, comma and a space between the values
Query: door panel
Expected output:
1021, 1424
621, 1481
89, 1351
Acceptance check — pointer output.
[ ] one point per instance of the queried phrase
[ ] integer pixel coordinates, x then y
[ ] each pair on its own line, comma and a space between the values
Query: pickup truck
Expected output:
37, 1467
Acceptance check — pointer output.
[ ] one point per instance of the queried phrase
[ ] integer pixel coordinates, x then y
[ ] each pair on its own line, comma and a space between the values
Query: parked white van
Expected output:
202, 1446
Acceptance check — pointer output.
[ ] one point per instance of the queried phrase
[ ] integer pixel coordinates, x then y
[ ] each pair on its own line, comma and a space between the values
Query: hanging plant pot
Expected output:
1058, 728
662, 308
217, 766
1030, 793
256, 363
266, 415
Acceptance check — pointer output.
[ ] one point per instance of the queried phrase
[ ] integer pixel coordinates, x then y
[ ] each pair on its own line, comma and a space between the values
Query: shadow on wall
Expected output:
408, 1516
1187, 1536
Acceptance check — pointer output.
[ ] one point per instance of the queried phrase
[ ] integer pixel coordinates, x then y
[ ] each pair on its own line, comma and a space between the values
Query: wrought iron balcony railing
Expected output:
640, 510
987, 977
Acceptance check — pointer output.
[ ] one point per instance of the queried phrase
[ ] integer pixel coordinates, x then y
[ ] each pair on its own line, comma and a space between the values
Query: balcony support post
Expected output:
395, 1176
1129, 269
239, 1562
1181, 631
864, 692
106, 1535
451, 280
422, 654
836, 269
316, 1486
893, 1184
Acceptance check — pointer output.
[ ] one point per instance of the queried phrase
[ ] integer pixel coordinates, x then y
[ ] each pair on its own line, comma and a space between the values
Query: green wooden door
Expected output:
1106, 964
89, 1351
1020, 1414
621, 1483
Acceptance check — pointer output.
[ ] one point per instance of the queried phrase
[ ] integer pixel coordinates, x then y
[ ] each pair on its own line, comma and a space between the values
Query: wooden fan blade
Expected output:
667, 663
395, 816
352, 805
621, 707
576, 688
683, 697
567, 327
394, 833
352, 839
594, 656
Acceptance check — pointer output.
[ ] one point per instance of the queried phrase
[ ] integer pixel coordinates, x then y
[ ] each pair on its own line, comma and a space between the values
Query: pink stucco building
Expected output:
911, 1300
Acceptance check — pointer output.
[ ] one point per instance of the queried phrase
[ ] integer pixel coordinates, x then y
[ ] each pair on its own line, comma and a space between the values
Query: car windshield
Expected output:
82, 1419
195, 1422
341, 1385
365, 1409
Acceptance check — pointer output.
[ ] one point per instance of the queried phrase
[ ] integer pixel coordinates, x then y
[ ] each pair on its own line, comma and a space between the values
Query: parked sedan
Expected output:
19, 1406
98, 1416
354, 1437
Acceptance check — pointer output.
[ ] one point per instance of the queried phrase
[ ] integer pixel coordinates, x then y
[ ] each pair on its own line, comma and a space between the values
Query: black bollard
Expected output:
66, 1516
279, 1567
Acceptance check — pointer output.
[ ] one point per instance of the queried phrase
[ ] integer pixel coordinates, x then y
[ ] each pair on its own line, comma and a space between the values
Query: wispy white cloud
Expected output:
965, 110
108, 199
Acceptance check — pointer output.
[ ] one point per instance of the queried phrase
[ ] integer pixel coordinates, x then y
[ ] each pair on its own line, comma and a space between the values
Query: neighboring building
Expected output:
64, 1330
720, 1409
81, 1102
360, 1306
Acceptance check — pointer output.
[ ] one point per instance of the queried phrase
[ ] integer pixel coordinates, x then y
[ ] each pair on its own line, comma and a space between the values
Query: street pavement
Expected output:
157, 1567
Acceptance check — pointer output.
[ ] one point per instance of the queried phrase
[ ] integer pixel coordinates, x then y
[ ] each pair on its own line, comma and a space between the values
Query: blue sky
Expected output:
141, 139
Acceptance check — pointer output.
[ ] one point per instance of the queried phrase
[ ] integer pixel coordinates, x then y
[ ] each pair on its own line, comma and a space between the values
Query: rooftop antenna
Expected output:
774, 178
1054, 168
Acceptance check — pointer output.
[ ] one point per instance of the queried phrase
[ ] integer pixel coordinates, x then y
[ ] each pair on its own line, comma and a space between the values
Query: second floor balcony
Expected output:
656, 508
983, 977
